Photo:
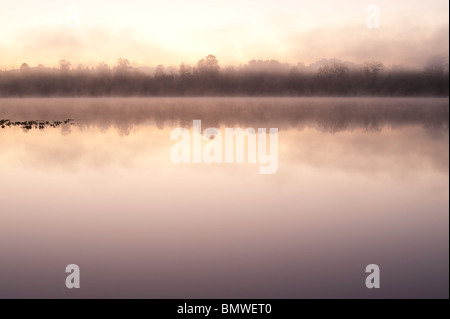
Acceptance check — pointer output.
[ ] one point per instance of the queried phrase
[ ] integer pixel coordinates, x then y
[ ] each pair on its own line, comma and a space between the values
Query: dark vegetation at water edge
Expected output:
36, 124
256, 78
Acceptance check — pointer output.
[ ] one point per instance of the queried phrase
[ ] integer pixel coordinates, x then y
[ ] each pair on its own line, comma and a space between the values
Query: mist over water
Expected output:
328, 114
359, 181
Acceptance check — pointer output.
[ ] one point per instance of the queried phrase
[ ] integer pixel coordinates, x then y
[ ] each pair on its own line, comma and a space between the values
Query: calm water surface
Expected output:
359, 181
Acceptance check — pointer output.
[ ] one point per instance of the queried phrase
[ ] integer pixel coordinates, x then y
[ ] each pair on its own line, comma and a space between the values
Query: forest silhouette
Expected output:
330, 77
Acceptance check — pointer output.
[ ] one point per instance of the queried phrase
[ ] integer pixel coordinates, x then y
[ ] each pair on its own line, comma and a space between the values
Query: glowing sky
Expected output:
173, 31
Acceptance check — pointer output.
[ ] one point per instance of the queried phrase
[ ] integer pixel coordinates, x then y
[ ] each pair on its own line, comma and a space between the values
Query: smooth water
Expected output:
359, 181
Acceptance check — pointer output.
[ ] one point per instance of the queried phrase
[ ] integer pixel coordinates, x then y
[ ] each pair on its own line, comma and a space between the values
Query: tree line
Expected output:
207, 78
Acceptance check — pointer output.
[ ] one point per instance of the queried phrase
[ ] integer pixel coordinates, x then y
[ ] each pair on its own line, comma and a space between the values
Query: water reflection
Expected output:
365, 135
359, 181
326, 114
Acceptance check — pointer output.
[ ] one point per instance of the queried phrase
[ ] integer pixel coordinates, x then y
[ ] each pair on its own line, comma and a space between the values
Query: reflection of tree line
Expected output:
325, 114
257, 78
28, 125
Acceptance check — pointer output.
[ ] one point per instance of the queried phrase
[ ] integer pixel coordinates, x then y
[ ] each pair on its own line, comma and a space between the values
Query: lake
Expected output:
91, 182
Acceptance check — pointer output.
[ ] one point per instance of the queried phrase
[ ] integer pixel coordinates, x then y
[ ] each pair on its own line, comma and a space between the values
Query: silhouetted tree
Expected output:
436, 65
185, 78
332, 76
436, 73
372, 69
267, 66
333, 70
209, 65
185, 71
123, 66
24, 67
102, 67
64, 65
159, 71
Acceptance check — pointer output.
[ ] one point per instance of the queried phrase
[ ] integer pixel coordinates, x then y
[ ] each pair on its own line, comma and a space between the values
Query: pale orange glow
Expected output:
175, 31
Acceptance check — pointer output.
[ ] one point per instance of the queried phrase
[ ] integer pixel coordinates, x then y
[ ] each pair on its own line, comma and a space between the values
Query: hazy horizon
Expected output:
270, 65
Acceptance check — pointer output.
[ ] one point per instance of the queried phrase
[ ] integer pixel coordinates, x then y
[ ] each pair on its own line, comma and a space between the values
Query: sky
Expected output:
236, 31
